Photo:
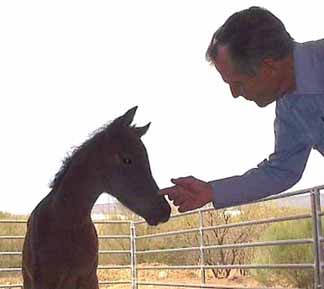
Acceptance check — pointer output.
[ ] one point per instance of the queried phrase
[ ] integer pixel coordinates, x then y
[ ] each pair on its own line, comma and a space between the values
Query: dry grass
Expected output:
9, 279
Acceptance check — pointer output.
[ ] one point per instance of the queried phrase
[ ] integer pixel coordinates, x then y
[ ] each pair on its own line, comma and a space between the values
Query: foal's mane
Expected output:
94, 137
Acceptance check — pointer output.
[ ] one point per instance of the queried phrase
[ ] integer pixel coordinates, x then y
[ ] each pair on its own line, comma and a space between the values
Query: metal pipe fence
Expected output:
316, 242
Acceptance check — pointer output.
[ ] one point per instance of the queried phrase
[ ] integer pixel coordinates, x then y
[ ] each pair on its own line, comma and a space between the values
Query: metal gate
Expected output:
317, 240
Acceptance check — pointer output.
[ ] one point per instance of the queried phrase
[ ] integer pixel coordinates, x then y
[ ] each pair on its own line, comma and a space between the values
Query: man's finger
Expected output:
179, 200
171, 192
166, 191
186, 206
183, 208
183, 181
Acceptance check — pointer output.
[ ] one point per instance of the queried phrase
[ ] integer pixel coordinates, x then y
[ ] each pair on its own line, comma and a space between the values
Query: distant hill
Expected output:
107, 208
116, 208
301, 202
111, 208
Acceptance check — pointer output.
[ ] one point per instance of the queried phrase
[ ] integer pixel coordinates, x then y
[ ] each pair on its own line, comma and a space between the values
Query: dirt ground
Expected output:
173, 276
158, 276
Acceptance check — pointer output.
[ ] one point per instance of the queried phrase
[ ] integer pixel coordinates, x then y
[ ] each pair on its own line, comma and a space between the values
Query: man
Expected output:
261, 62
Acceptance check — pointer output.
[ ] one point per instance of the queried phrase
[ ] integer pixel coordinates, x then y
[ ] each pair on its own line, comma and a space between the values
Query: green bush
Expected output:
293, 254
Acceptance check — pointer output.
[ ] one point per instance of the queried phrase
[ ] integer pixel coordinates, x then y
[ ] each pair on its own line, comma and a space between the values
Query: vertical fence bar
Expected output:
133, 255
321, 239
317, 235
319, 232
202, 255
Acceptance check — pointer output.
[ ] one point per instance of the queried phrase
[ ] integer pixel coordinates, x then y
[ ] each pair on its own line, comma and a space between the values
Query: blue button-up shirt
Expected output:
298, 127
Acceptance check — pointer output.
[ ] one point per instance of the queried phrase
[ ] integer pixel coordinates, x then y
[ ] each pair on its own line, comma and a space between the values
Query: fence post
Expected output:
202, 255
133, 254
317, 236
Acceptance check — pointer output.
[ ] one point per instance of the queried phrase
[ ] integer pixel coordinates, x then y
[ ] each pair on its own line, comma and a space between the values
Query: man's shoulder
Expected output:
309, 66
313, 44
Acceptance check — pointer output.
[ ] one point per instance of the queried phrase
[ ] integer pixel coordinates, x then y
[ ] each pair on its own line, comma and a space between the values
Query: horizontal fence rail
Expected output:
316, 242
251, 266
180, 285
230, 246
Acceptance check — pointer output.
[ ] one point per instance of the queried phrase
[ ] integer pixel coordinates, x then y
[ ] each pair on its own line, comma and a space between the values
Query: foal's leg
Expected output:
56, 280
26, 279
26, 282
89, 282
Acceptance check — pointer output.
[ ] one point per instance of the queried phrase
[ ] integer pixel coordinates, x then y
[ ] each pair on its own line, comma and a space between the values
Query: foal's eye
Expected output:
127, 161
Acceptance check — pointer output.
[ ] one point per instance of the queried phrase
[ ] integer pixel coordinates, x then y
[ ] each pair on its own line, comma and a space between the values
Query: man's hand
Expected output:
188, 193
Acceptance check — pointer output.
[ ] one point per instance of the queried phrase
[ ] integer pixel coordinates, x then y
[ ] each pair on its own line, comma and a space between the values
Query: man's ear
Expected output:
270, 67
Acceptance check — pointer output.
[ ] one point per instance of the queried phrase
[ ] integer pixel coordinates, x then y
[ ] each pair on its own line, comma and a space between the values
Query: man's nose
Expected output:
235, 91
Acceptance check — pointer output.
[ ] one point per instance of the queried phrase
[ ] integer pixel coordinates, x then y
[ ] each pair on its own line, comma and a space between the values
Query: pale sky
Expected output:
68, 67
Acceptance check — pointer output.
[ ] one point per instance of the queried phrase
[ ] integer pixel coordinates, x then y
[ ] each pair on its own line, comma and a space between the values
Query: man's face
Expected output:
261, 88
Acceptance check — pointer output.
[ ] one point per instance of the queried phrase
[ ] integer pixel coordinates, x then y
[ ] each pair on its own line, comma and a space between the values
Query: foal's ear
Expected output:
140, 131
128, 117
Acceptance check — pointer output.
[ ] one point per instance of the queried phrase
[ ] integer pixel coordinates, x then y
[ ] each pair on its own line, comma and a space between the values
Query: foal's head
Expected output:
126, 170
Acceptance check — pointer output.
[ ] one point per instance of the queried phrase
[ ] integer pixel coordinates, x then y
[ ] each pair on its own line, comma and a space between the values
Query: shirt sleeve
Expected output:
276, 174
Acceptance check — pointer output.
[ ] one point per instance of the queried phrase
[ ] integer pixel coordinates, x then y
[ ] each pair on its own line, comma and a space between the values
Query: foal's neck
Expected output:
76, 196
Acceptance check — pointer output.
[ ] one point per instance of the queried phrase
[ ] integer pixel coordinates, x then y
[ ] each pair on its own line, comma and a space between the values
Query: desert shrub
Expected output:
167, 242
292, 254
11, 245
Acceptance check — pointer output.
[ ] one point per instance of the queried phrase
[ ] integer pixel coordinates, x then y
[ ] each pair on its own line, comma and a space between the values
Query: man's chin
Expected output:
263, 104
